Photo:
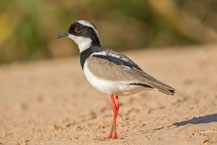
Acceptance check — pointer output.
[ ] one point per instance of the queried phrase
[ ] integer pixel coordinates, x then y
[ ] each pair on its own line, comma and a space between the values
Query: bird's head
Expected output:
83, 33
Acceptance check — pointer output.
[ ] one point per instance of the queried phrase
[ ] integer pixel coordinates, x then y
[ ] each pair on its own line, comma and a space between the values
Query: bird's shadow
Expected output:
198, 120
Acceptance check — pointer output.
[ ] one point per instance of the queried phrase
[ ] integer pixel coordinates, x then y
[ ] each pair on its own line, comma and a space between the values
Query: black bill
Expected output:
62, 35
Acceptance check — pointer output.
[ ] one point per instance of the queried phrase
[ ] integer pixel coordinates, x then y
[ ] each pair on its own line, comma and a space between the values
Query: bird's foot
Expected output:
115, 137
107, 138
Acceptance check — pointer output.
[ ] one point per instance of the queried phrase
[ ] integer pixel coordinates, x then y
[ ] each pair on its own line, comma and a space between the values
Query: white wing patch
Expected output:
99, 53
115, 55
110, 54
118, 56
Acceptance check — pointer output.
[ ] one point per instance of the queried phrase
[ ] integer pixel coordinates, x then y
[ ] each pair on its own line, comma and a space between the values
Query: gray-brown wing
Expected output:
118, 67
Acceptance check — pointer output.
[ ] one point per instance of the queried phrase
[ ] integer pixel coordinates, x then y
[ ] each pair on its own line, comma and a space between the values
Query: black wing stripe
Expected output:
140, 84
118, 61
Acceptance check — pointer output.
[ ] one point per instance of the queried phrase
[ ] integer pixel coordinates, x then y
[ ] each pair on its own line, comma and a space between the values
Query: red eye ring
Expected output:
78, 29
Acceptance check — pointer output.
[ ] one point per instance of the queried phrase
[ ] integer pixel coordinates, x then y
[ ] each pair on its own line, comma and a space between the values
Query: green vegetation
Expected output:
28, 27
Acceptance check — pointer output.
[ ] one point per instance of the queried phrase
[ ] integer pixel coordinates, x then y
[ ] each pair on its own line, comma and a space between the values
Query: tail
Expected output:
150, 82
164, 88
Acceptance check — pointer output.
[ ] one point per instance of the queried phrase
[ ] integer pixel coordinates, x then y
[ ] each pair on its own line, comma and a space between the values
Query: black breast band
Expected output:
84, 55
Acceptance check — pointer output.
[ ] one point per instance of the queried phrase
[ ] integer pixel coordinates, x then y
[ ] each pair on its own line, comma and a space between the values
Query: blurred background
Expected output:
28, 27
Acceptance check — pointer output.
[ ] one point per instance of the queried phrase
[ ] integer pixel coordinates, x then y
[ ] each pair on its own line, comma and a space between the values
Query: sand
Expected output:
49, 102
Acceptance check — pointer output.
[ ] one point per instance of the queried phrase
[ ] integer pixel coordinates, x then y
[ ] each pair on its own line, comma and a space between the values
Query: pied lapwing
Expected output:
109, 71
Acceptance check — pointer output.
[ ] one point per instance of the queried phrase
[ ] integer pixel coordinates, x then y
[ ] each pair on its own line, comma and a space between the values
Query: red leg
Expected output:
115, 104
111, 132
115, 111
112, 127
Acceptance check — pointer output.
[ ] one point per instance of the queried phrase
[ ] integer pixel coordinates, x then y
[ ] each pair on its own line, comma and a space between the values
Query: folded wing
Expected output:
118, 67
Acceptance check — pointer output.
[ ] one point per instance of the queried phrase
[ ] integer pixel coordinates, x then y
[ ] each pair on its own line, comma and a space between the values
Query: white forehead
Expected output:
88, 24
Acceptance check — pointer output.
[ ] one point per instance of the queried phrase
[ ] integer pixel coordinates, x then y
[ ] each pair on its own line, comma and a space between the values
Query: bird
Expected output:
109, 71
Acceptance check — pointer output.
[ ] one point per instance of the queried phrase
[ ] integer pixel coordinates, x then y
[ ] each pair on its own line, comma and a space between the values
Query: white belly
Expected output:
111, 87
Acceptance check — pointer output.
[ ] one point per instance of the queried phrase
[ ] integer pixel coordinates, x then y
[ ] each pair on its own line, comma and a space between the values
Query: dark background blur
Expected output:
28, 27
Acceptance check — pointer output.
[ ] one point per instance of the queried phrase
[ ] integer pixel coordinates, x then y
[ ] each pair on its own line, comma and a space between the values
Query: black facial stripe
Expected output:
87, 32
117, 61
140, 84
73, 26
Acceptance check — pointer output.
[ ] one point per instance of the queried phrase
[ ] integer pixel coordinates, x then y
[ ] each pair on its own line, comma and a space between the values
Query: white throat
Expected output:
82, 42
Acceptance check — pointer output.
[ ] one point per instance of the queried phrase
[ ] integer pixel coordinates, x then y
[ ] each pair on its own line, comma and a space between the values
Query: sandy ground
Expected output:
51, 102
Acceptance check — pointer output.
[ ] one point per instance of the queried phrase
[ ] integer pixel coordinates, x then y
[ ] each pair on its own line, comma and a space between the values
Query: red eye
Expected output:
78, 29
